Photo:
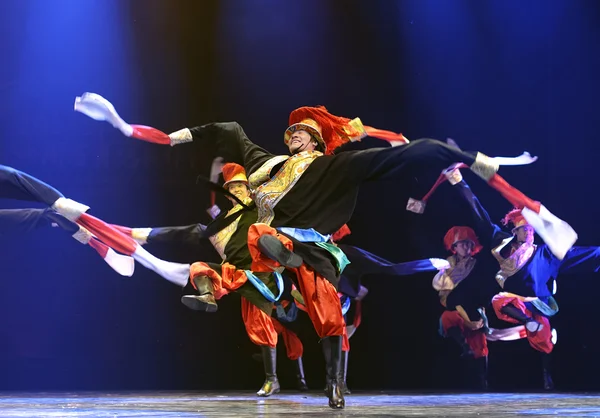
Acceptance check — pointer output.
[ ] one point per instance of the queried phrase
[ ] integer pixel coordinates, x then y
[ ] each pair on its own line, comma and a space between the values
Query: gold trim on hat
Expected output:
308, 125
241, 177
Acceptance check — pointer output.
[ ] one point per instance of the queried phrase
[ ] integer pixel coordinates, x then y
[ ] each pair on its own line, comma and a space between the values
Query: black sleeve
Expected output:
190, 234
231, 143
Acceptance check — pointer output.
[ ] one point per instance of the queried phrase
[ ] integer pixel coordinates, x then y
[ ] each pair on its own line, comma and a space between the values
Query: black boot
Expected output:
275, 250
481, 364
205, 299
326, 346
301, 381
271, 385
456, 334
344, 367
548, 383
531, 324
334, 387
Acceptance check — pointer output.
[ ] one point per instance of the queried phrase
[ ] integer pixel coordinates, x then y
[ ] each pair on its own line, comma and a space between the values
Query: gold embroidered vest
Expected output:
269, 191
445, 281
513, 263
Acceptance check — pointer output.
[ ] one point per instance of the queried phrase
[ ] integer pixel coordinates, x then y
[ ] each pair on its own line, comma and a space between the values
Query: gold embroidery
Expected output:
271, 192
511, 265
221, 238
447, 280
262, 174
450, 278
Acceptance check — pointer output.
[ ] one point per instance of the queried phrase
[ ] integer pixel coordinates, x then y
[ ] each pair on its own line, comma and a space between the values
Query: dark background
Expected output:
497, 76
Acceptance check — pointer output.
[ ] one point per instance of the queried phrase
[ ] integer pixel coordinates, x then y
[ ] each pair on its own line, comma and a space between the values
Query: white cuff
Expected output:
181, 137
83, 235
140, 234
70, 209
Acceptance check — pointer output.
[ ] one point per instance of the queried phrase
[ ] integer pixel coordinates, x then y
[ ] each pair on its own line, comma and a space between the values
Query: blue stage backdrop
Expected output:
498, 76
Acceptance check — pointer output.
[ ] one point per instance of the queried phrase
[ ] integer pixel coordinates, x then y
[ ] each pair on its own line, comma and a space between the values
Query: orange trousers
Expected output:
320, 296
475, 339
264, 329
539, 340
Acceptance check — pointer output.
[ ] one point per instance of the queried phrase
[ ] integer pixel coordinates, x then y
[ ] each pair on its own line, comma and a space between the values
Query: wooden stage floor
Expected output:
287, 404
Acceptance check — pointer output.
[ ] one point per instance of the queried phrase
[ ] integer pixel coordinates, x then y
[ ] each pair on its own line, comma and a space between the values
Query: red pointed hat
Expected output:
333, 131
233, 172
461, 233
516, 218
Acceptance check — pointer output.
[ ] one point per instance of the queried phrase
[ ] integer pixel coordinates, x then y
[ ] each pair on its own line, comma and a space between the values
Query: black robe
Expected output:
325, 195
236, 251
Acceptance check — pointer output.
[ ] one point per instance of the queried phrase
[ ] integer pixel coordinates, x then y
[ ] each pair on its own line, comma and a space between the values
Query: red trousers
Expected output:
260, 327
539, 340
345, 339
320, 297
227, 280
263, 330
475, 339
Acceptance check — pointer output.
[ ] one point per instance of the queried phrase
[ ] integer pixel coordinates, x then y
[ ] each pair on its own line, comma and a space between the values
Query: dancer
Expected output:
210, 281
18, 221
15, 184
304, 198
460, 289
527, 273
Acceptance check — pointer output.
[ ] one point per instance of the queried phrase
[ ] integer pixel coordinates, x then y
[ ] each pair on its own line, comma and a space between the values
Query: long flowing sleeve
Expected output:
19, 221
231, 143
580, 260
488, 232
190, 234
364, 263
15, 184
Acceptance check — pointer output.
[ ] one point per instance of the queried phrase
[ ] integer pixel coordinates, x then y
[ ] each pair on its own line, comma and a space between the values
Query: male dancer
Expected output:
304, 198
15, 184
527, 272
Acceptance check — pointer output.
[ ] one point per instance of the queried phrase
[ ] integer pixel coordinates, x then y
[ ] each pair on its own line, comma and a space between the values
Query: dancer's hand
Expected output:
453, 174
439, 263
474, 325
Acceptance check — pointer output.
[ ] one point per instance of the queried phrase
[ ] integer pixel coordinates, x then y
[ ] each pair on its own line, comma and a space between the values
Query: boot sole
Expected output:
195, 304
266, 395
341, 405
275, 250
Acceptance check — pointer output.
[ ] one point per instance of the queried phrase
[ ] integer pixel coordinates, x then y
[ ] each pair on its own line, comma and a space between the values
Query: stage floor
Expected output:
237, 404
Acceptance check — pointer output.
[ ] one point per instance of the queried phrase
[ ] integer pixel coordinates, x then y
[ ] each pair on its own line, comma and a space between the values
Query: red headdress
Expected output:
461, 233
515, 217
333, 131
233, 172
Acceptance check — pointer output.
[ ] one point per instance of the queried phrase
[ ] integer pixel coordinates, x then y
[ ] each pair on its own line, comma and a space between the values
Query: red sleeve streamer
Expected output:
147, 133
341, 233
442, 178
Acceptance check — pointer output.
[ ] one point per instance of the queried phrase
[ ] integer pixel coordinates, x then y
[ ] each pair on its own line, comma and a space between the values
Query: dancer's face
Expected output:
524, 233
301, 141
239, 190
463, 248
